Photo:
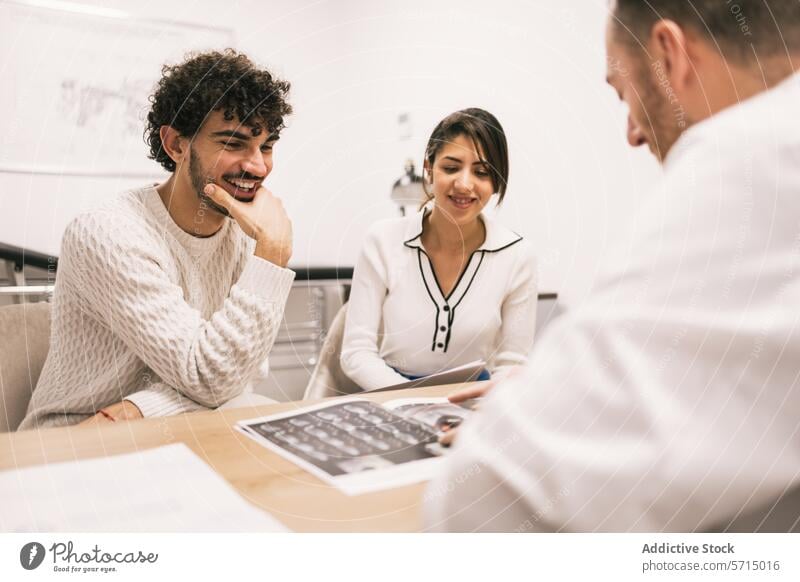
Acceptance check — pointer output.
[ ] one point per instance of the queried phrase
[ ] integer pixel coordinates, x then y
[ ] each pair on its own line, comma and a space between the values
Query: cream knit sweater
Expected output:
146, 312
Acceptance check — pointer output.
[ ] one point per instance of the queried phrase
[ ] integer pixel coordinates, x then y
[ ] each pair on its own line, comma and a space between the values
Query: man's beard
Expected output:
661, 122
200, 179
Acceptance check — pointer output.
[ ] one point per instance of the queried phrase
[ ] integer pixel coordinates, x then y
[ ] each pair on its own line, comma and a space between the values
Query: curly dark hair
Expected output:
206, 82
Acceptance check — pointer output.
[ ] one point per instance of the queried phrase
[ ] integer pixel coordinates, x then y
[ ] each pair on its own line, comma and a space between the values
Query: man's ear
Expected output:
175, 145
669, 46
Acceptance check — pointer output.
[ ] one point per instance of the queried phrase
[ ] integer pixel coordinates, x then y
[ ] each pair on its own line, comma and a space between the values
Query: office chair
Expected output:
25, 333
328, 379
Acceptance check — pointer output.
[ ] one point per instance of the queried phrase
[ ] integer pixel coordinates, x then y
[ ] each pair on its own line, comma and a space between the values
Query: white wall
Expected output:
356, 64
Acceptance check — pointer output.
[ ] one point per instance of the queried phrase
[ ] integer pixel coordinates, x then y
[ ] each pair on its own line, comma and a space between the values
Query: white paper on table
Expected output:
166, 489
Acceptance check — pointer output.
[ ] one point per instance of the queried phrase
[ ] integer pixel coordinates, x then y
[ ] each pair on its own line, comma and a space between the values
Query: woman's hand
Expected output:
476, 390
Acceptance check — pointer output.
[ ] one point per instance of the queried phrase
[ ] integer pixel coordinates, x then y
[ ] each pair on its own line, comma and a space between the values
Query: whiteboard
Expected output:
76, 81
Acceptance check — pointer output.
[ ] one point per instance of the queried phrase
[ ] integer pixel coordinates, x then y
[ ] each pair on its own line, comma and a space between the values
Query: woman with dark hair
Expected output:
448, 285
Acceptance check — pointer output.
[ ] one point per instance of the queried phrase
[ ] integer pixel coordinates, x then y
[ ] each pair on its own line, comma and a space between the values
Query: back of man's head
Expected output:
224, 81
744, 31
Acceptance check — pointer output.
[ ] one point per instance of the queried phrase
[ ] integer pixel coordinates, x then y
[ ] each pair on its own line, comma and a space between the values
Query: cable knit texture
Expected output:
146, 312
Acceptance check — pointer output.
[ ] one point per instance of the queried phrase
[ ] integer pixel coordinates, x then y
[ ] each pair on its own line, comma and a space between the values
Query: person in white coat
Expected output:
669, 400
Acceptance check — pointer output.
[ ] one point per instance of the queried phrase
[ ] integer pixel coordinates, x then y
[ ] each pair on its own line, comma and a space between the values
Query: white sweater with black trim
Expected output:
399, 320
146, 312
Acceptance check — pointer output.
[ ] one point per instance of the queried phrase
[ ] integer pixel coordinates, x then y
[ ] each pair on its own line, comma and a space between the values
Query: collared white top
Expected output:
399, 319
670, 400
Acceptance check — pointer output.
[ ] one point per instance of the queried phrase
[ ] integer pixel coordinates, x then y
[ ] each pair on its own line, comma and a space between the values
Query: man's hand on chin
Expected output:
263, 218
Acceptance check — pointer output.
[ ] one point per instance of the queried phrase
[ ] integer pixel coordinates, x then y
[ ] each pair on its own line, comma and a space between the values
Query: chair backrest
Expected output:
328, 379
24, 341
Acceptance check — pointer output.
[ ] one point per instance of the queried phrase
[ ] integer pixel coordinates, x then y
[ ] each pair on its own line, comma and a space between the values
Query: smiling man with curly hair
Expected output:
169, 299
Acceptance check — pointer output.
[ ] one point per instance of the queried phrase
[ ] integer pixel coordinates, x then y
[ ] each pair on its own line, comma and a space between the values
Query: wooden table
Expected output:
295, 497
